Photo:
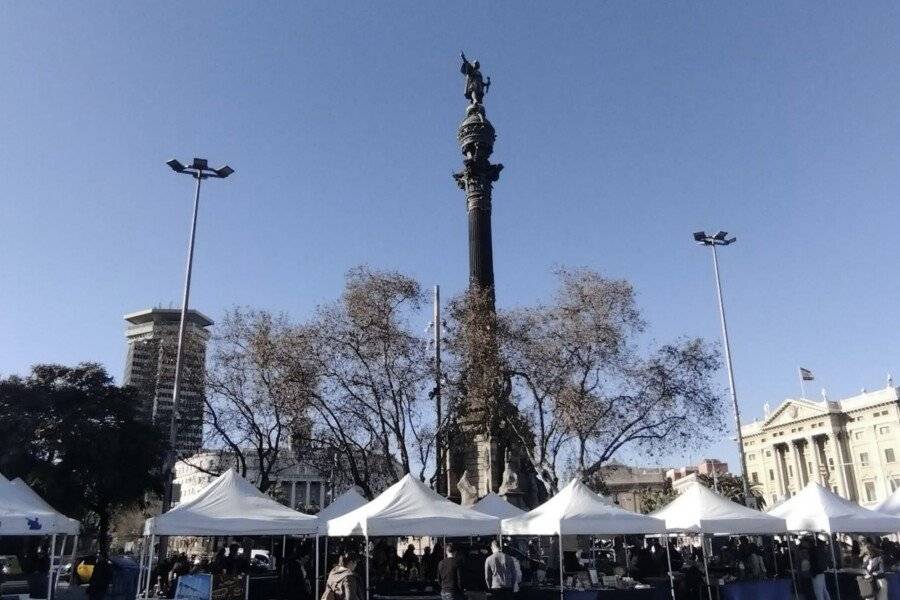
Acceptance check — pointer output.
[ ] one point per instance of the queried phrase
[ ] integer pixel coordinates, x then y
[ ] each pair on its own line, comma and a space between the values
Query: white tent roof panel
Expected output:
409, 507
231, 505
818, 509
700, 510
576, 509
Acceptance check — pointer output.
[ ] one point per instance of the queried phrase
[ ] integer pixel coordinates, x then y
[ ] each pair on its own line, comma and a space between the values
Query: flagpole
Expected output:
802, 385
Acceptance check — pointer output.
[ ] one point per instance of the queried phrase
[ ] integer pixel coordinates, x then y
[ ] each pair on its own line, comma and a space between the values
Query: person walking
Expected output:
873, 563
343, 582
818, 565
101, 577
500, 574
450, 575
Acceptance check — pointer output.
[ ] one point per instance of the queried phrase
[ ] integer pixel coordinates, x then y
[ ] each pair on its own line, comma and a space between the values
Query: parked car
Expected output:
10, 566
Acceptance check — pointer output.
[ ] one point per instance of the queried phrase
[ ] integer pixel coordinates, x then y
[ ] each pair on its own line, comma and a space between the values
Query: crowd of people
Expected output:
475, 570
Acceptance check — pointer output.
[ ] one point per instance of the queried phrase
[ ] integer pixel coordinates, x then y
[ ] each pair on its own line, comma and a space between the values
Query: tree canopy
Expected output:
74, 435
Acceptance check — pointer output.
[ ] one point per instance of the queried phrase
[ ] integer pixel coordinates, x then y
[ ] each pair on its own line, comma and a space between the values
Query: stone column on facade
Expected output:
293, 495
779, 472
817, 465
839, 465
306, 494
321, 495
798, 468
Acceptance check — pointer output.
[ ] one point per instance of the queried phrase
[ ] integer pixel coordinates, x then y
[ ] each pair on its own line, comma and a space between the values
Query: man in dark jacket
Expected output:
101, 577
450, 575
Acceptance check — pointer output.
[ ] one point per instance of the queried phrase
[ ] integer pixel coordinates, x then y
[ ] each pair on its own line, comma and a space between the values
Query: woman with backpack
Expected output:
342, 582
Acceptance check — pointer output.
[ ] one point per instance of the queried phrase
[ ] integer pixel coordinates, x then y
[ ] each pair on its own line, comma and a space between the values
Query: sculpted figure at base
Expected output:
468, 493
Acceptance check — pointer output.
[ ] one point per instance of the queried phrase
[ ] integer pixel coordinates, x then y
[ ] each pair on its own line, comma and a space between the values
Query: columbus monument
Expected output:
483, 456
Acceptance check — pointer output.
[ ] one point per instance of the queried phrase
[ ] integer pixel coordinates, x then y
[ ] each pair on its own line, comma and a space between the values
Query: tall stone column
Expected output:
798, 468
482, 458
839, 465
813, 445
780, 476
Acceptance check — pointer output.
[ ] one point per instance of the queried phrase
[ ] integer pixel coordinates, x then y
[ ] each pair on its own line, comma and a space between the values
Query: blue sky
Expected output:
623, 128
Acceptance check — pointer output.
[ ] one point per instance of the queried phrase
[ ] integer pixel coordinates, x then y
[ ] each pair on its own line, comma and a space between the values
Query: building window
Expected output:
884, 430
870, 491
751, 457
858, 434
830, 462
864, 459
791, 470
768, 453
754, 477
889, 455
895, 483
771, 475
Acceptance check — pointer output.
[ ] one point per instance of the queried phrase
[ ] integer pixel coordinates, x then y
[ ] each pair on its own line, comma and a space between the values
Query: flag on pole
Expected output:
806, 374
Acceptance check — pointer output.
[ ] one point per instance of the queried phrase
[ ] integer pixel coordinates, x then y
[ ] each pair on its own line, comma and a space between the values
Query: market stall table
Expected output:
548, 593
768, 589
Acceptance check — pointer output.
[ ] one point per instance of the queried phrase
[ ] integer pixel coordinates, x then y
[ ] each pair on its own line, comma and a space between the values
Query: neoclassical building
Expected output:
850, 446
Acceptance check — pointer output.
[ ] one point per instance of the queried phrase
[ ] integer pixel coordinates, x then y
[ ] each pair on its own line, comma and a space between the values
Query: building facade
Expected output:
850, 446
152, 337
628, 485
296, 485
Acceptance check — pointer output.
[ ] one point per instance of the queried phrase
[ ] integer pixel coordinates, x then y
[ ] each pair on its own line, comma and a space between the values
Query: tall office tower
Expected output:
152, 336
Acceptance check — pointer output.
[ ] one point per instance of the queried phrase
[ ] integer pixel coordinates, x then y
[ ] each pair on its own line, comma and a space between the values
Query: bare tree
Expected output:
252, 407
588, 392
370, 374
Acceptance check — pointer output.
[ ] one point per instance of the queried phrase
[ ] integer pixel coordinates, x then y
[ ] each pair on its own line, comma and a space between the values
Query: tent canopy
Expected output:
494, 505
409, 507
23, 512
349, 500
576, 509
67, 526
231, 505
891, 504
700, 510
818, 509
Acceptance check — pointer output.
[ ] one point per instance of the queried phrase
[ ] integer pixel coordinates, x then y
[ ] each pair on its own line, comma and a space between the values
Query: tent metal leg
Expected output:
671, 574
790, 554
50, 570
140, 581
72, 560
837, 583
367, 567
149, 566
562, 589
705, 566
318, 595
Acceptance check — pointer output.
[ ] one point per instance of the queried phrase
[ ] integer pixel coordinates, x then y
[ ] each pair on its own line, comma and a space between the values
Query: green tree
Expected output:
76, 437
732, 487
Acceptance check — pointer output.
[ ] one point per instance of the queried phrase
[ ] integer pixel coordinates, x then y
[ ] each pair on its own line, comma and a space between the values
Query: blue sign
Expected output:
33, 524
194, 587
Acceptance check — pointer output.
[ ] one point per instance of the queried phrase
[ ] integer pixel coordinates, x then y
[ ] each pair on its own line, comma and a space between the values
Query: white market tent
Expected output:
698, 509
67, 526
816, 509
409, 507
576, 509
23, 512
231, 505
494, 505
349, 500
890, 505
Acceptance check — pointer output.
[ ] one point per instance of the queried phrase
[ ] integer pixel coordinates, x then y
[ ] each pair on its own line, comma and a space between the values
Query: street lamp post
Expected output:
721, 239
199, 170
